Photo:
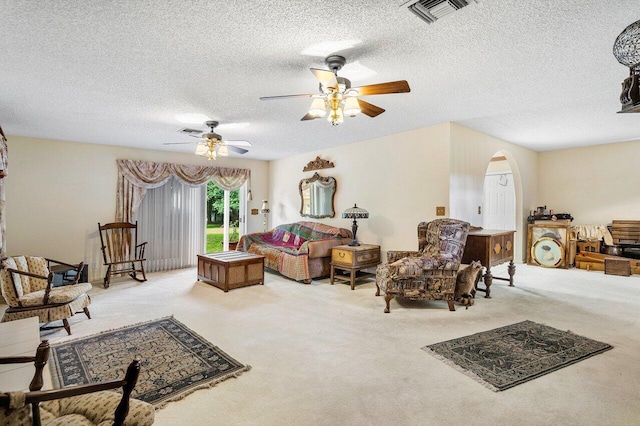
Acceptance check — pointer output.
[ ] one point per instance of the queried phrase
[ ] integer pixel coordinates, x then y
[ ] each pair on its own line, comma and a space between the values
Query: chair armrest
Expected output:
140, 250
29, 274
72, 265
39, 361
394, 255
49, 279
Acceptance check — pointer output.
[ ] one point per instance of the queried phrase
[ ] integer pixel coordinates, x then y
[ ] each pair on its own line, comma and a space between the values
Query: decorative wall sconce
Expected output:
265, 211
626, 49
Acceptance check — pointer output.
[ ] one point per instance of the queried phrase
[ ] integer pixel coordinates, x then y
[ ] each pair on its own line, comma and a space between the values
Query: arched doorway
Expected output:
504, 162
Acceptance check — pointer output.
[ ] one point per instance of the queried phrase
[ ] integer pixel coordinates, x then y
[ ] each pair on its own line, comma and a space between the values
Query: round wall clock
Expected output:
547, 252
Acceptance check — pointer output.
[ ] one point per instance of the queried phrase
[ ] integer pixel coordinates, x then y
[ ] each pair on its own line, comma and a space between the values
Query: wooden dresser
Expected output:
491, 248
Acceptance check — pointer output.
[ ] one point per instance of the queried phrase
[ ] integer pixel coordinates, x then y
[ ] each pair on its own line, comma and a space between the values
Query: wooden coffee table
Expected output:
231, 269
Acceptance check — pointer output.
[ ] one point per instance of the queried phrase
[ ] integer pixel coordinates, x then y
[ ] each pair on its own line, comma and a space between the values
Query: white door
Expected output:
499, 202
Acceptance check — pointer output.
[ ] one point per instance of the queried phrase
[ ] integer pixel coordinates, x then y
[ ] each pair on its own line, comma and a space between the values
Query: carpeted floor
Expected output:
514, 354
323, 354
174, 361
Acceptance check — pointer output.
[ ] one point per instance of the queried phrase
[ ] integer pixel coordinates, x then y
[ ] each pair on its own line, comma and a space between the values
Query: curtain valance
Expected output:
136, 176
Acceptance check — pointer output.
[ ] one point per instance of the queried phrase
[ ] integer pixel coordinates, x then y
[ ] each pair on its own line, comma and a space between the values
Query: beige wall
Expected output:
471, 153
399, 179
595, 184
57, 192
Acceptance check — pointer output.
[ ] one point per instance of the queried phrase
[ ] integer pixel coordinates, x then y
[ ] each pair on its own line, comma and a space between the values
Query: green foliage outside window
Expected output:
215, 204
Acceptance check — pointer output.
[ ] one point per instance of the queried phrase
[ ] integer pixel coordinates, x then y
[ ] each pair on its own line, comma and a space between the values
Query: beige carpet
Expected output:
326, 355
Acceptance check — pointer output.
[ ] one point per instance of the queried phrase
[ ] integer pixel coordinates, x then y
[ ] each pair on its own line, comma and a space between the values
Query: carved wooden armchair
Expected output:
93, 404
27, 287
429, 273
121, 252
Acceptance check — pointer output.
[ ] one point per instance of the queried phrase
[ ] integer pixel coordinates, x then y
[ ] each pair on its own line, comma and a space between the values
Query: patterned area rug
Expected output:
511, 355
174, 360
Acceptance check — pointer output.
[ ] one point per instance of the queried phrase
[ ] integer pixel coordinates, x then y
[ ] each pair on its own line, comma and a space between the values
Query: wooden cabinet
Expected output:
491, 248
354, 259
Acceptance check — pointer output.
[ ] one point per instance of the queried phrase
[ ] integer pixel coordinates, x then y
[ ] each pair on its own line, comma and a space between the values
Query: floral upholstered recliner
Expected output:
430, 273
27, 287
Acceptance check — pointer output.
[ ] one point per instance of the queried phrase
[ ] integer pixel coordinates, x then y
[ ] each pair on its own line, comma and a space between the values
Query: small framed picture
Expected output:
548, 246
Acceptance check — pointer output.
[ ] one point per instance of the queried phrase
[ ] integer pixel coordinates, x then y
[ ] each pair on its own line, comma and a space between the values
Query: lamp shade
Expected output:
355, 212
351, 106
318, 108
265, 206
201, 149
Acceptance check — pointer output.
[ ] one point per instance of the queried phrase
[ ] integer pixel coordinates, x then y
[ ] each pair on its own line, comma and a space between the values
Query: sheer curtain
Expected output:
172, 219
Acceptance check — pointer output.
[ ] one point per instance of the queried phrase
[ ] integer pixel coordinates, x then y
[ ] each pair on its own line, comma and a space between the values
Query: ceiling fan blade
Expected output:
237, 143
400, 86
271, 98
178, 143
308, 116
369, 109
326, 77
237, 149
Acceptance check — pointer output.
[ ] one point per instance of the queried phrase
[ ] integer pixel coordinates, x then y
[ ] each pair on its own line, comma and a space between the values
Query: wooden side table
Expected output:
354, 259
491, 248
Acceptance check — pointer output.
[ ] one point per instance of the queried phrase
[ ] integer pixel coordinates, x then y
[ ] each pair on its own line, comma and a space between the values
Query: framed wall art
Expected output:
548, 246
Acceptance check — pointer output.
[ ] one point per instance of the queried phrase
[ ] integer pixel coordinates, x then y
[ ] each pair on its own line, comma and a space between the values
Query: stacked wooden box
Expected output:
613, 265
625, 231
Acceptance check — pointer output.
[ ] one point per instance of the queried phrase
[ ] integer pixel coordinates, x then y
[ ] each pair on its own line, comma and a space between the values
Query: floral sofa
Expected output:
300, 250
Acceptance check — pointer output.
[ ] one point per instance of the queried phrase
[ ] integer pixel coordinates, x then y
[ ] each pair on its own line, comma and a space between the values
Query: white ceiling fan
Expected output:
211, 145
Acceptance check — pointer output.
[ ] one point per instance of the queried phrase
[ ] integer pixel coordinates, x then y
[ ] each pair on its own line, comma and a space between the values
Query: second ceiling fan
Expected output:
337, 98
211, 144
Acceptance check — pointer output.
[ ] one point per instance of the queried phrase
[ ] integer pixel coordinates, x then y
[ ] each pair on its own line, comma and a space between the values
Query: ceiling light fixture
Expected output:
208, 149
339, 100
626, 49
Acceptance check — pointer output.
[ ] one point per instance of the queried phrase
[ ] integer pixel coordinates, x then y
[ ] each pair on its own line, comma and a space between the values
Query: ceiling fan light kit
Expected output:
337, 98
626, 49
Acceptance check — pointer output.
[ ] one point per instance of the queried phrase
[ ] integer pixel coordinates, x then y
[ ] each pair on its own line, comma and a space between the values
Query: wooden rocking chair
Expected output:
121, 252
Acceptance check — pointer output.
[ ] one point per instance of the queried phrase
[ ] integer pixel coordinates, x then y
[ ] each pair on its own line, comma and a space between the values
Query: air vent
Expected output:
432, 10
190, 131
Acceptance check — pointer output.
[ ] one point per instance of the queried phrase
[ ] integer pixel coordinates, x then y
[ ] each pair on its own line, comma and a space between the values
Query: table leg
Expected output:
512, 272
488, 280
353, 279
332, 272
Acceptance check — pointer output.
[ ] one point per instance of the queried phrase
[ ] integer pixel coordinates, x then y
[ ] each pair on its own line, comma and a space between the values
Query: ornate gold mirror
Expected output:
316, 196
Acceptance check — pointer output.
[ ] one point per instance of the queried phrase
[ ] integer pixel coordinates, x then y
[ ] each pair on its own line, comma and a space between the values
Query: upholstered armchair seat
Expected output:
427, 274
57, 295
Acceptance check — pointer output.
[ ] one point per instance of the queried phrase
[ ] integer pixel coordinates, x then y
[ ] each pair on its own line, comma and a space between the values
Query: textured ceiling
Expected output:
535, 73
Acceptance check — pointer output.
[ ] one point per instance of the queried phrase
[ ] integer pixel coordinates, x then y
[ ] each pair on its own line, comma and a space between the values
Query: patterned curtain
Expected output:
135, 177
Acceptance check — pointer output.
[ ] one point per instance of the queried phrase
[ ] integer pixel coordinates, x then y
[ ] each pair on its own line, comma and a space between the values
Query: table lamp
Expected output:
354, 213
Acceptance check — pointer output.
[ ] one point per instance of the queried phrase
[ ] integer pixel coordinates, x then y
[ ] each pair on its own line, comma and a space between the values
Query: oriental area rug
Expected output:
511, 355
174, 360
